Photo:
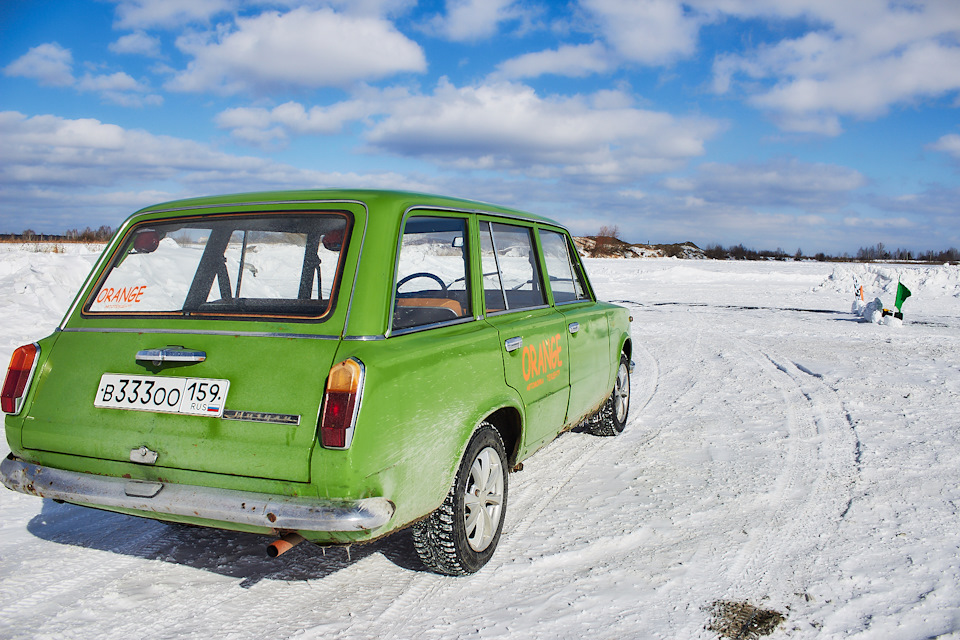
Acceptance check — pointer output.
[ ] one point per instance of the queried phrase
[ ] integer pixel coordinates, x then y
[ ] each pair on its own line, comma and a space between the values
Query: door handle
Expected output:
573, 327
170, 354
512, 344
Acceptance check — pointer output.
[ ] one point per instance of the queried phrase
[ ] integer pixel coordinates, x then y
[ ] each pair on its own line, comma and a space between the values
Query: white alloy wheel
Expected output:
483, 499
621, 393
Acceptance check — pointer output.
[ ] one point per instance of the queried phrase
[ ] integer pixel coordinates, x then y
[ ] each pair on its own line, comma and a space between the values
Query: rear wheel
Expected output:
462, 534
612, 416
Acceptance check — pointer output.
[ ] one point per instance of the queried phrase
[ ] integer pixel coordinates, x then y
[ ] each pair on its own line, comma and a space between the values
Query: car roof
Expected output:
374, 199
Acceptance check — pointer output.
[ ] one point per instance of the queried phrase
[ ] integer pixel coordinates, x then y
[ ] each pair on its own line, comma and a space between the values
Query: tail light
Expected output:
341, 403
19, 374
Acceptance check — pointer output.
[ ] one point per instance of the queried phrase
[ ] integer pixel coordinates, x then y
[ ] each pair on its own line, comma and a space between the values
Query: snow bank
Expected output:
36, 288
881, 280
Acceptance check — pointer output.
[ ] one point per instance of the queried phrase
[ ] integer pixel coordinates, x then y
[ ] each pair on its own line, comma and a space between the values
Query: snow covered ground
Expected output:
779, 454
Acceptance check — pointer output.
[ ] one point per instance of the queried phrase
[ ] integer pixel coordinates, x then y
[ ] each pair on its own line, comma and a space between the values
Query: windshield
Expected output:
250, 265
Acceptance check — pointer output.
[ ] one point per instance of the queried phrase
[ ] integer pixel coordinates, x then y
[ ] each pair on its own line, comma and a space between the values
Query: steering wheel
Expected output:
422, 274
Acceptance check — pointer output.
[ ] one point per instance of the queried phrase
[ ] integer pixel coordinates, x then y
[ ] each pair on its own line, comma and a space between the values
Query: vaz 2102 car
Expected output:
322, 365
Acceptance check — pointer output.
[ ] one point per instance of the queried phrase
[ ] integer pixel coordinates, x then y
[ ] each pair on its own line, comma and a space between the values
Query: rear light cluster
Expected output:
19, 373
341, 404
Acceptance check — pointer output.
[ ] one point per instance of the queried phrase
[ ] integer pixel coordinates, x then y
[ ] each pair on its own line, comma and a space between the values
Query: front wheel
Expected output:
462, 534
612, 416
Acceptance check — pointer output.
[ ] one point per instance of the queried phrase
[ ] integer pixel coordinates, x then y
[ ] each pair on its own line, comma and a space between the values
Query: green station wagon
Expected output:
322, 365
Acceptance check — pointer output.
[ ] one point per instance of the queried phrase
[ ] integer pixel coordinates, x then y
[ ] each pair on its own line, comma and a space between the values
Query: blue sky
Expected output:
814, 124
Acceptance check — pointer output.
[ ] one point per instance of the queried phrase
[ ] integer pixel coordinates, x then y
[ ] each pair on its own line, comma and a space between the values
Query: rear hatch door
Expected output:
203, 345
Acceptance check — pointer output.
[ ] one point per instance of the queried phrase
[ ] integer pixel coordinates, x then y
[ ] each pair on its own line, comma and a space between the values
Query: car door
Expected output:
232, 310
586, 326
532, 333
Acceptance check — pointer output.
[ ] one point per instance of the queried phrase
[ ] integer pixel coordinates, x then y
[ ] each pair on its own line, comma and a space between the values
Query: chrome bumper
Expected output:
226, 505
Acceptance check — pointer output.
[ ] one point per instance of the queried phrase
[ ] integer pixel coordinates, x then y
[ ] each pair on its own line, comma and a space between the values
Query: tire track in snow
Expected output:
812, 493
808, 497
84, 570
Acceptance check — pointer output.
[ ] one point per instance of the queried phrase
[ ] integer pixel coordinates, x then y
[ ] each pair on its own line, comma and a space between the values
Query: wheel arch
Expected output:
509, 424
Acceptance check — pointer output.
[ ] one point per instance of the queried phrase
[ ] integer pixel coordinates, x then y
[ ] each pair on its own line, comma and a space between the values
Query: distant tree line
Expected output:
877, 253
101, 234
740, 252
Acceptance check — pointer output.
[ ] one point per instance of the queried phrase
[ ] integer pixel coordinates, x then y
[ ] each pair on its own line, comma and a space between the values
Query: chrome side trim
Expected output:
260, 416
170, 354
517, 310
364, 338
424, 327
224, 505
200, 332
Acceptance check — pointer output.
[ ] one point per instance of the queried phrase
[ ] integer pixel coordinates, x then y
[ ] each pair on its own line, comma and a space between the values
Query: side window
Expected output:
432, 285
564, 279
511, 277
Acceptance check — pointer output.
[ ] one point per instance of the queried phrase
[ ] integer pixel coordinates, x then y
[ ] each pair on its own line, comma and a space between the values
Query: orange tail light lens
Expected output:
19, 374
341, 404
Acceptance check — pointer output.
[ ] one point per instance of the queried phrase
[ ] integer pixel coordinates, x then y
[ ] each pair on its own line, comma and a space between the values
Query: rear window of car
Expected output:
284, 265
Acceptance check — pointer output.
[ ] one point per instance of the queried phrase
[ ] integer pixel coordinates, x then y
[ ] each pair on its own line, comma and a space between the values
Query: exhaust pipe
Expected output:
284, 544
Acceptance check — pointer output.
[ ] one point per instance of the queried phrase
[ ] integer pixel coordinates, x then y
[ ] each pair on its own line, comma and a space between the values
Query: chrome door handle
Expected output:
512, 344
573, 327
170, 354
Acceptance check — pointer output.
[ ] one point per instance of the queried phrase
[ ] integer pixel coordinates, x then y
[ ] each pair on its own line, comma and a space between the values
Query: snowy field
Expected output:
779, 455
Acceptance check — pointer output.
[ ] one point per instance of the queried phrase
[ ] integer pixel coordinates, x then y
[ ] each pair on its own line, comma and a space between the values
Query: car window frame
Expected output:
116, 257
469, 242
573, 257
531, 228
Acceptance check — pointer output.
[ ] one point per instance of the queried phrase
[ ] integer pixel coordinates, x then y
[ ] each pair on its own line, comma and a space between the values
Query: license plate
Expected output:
190, 396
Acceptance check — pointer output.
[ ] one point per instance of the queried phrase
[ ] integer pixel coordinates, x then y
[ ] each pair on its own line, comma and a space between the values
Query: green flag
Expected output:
902, 294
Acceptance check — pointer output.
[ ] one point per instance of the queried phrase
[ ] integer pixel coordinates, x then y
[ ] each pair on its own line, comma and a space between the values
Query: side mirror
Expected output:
333, 241
458, 242
146, 241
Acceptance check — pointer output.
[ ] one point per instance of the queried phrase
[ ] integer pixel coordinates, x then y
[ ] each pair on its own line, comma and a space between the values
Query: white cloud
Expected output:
138, 43
301, 48
467, 20
878, 223
114, 82
49, 63
119, 88
860, 59
949, 143
507, 126
499, 126
646, 31
146, 14
58, 164
780, 182
379, 8
260, 126
569, 60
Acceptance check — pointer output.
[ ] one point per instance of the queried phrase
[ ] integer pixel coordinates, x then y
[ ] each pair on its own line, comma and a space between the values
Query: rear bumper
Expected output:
224, 505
